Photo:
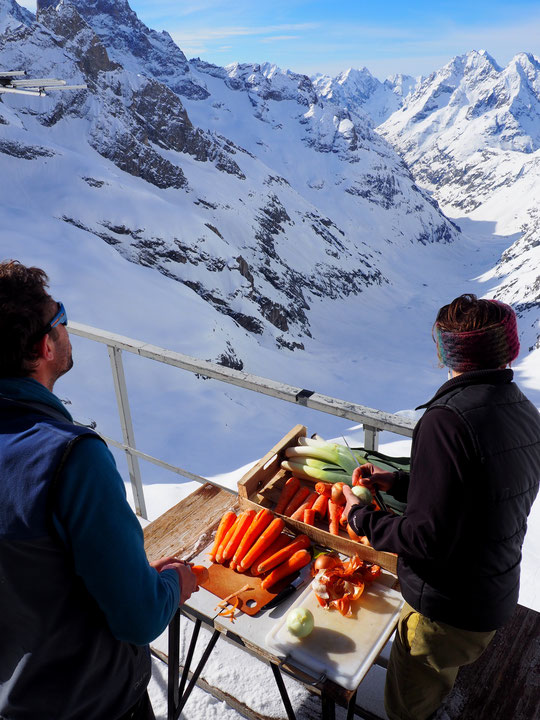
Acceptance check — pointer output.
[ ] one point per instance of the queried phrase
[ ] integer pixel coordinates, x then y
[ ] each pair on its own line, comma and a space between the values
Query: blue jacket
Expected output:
77, 593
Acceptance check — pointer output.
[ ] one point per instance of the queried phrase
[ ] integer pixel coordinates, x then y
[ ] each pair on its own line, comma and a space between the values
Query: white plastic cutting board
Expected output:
343, 648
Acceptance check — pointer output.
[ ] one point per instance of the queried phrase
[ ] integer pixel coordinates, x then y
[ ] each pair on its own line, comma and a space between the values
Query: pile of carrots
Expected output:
309, 504
256, 542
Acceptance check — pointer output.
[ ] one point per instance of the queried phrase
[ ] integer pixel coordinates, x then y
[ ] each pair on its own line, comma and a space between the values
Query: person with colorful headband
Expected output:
79, 601
475, 472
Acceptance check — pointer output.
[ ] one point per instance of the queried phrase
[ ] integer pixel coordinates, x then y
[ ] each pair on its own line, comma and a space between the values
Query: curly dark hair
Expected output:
24, 305
467, 312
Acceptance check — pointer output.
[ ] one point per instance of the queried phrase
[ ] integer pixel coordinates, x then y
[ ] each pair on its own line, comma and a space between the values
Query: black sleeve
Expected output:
442, 457
400, 488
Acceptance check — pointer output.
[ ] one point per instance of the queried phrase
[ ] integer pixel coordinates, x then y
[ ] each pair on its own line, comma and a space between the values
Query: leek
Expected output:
329, 452
311, 442
324, 474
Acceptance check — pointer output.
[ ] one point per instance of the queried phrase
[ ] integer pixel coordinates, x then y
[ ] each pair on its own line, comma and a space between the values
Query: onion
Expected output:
326, 562
337, 494
363, 494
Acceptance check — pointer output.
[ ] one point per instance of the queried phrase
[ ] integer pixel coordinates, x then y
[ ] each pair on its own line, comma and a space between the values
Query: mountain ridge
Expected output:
258, 239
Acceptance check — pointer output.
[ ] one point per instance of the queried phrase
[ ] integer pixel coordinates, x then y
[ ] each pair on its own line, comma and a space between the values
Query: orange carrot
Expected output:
309, 516
300, 543
224, 525
259, 523
297, 499
241, 527
224, 542
343, 519
278, 543
308, 502
334, 513
320, 506
287, 493
262, 543
323, 488
352, 534
291, 565
201, 573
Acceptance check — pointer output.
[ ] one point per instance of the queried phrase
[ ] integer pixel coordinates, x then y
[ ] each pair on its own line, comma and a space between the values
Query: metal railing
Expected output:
373, 421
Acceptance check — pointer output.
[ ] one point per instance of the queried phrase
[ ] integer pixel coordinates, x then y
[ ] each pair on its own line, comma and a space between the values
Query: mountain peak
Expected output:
481, 58
133, 45
117, 9
12, 16
526, 60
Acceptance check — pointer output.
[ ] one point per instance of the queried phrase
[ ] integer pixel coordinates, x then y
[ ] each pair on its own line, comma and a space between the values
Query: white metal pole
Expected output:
120, 388
371, 438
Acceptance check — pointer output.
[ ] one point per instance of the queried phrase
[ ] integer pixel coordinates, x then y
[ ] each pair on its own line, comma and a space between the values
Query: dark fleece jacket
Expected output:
475, 470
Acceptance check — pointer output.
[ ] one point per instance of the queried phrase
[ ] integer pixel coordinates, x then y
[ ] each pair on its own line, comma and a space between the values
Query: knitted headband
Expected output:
489, 347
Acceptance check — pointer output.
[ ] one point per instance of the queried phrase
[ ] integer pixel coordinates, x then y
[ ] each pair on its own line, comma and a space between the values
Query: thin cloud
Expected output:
212, 34
172, 8
279, 38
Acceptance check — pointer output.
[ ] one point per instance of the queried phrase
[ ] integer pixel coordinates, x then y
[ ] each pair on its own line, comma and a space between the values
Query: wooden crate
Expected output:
261, 487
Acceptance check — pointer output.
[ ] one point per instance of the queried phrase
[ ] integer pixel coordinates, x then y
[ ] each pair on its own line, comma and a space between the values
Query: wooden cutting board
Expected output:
223, 582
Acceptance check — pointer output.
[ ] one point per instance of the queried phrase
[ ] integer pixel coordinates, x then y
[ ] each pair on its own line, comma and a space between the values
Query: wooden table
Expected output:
185, 531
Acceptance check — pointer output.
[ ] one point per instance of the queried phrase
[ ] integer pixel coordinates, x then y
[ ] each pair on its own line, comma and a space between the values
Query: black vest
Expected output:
58, 658
477, 587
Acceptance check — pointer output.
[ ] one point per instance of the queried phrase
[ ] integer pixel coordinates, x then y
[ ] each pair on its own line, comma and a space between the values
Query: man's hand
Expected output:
159, 564
373, 477
187, 578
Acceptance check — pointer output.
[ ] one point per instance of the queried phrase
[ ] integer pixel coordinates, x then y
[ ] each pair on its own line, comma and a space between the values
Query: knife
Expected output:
377, 494
284, 594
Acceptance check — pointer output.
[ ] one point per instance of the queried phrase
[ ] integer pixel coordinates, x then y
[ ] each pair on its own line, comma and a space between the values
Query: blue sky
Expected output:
328, 36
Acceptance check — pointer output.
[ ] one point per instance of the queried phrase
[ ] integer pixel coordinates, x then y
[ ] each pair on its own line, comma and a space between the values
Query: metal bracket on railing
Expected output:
120, 387
371, 438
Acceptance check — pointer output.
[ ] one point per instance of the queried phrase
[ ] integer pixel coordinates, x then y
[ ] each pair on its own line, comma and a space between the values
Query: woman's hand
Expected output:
373, 478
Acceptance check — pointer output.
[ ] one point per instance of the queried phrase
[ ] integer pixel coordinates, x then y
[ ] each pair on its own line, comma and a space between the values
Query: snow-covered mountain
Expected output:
13, 16
359, 92
248, 190
233, 214
471, 136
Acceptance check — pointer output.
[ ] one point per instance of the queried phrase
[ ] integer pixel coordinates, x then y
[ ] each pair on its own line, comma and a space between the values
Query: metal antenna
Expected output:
12, 82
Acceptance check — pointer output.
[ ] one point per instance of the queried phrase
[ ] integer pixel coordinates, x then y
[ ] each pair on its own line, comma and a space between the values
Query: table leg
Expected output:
189, 658
173, 665
196, 673
351, 706
328, 707
283, 692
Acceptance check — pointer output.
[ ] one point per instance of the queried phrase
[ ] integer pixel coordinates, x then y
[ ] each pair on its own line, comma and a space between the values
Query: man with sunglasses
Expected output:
79, 601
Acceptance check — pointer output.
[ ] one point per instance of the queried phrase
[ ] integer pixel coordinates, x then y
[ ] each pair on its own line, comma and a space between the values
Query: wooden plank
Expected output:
267, 467
187, 527
504, 682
